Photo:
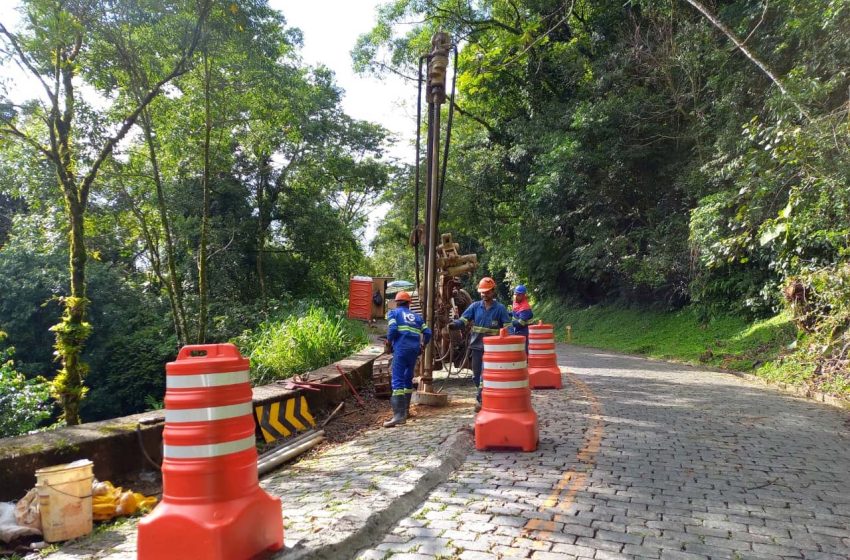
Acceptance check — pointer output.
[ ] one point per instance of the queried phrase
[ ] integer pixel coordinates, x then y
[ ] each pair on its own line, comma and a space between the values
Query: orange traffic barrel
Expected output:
506, 419
543, 370
212, 506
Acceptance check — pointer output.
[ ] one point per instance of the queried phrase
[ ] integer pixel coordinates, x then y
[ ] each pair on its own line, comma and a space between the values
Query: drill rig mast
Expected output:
440, 293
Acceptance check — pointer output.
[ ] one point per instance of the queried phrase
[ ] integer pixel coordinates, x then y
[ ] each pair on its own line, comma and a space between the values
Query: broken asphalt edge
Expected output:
438, 466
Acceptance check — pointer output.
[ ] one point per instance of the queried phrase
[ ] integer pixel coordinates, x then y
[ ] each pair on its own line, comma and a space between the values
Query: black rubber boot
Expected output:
397, 402
407, 398
478, 400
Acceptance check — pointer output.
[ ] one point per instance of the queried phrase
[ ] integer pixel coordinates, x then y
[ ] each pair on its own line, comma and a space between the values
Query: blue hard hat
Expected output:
520, 289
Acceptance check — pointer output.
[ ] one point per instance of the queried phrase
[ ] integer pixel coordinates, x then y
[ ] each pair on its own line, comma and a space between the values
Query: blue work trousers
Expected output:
476, 358
404, 363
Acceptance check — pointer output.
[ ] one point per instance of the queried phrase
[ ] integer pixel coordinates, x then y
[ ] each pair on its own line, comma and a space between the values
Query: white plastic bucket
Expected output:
65, 500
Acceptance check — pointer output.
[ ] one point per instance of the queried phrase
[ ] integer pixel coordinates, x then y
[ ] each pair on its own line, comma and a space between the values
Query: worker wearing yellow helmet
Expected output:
487, 316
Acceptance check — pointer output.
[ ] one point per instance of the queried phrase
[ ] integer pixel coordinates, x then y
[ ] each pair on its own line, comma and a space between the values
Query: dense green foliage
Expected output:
306, 338
23, 402
610, 151
182, 172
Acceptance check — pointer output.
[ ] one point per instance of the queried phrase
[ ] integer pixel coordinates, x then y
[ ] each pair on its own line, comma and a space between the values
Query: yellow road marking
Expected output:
564, 492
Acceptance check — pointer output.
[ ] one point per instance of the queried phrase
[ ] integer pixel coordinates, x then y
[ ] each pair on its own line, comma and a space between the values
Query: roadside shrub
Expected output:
820, 302
300, 342
23, 402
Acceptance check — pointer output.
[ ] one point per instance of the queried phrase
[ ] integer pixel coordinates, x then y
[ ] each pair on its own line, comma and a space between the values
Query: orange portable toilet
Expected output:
360, 298
506, 418
212, 505
543, 370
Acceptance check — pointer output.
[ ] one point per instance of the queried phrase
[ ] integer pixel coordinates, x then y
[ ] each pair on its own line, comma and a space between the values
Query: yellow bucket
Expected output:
65, 500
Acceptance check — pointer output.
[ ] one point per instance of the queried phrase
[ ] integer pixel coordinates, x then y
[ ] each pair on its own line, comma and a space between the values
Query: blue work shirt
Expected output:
404, 328
485, 322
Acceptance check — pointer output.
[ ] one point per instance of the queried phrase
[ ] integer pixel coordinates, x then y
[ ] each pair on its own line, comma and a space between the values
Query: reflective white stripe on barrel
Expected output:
503, 347
209, 413
505, 365
205, 380
542, 341
505, 384
208, 451
541, 331
533, 352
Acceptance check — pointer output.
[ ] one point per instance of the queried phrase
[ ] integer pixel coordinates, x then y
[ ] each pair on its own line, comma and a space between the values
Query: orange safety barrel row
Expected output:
506, 419
212, 505
543, 370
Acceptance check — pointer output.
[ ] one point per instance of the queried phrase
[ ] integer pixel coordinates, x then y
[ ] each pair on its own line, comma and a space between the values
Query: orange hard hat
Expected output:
486, 284
402, 296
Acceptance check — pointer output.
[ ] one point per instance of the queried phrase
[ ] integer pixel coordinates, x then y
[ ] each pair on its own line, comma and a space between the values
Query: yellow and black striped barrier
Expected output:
281, 419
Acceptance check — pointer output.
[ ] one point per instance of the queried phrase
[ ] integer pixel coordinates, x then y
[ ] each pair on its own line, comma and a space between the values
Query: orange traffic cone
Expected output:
543, 370
212, 505
506, 418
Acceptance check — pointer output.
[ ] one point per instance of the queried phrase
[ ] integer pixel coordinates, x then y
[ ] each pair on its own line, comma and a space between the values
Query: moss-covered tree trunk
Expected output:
73, 330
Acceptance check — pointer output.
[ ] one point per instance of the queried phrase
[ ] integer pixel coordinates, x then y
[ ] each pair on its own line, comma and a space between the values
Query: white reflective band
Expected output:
503, 347
205, 380
506, 365
505, 384
542, 341
208, 414
541, 331
207, 451
533, 352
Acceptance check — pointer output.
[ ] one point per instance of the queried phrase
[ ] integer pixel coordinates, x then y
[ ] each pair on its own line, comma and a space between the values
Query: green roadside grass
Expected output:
728, 342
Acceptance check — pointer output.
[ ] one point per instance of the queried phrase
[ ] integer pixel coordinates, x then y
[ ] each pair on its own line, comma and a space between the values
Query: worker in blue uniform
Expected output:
521, 314
487, 316
407, 332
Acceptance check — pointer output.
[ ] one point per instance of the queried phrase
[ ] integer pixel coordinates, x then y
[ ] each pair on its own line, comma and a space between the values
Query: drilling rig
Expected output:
441, 295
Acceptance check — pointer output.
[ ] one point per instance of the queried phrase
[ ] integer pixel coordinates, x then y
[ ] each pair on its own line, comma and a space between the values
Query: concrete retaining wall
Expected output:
115, 445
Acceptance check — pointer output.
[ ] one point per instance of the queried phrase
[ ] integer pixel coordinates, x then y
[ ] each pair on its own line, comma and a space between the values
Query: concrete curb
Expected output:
434, 470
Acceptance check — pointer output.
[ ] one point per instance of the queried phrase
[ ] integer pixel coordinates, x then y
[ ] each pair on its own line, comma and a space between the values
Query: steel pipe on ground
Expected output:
271, 460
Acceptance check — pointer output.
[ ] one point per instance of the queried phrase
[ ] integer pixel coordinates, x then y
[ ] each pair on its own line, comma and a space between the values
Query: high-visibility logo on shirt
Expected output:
410, 317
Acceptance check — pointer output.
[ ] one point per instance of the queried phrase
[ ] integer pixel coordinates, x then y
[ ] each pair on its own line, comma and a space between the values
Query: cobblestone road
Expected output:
332, 495
637, 459
643, 459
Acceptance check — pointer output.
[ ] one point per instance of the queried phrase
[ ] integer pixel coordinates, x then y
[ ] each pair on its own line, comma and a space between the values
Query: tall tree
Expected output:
58, 46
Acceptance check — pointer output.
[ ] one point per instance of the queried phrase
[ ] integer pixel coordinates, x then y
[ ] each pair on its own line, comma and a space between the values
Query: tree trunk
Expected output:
174, 285
72, 331
263, 220
202, 251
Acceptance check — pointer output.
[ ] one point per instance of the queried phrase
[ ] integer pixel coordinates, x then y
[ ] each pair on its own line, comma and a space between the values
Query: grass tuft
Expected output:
300, 342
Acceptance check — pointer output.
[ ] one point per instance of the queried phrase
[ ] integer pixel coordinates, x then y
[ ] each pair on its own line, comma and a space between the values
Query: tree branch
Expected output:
11, 130
749, 54
477, 119
179, 69
24, 59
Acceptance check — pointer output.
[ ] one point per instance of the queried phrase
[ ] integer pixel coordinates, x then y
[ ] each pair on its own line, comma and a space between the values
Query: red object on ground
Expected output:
212, 506
506, 418
543, 370
350, 386
360, 298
